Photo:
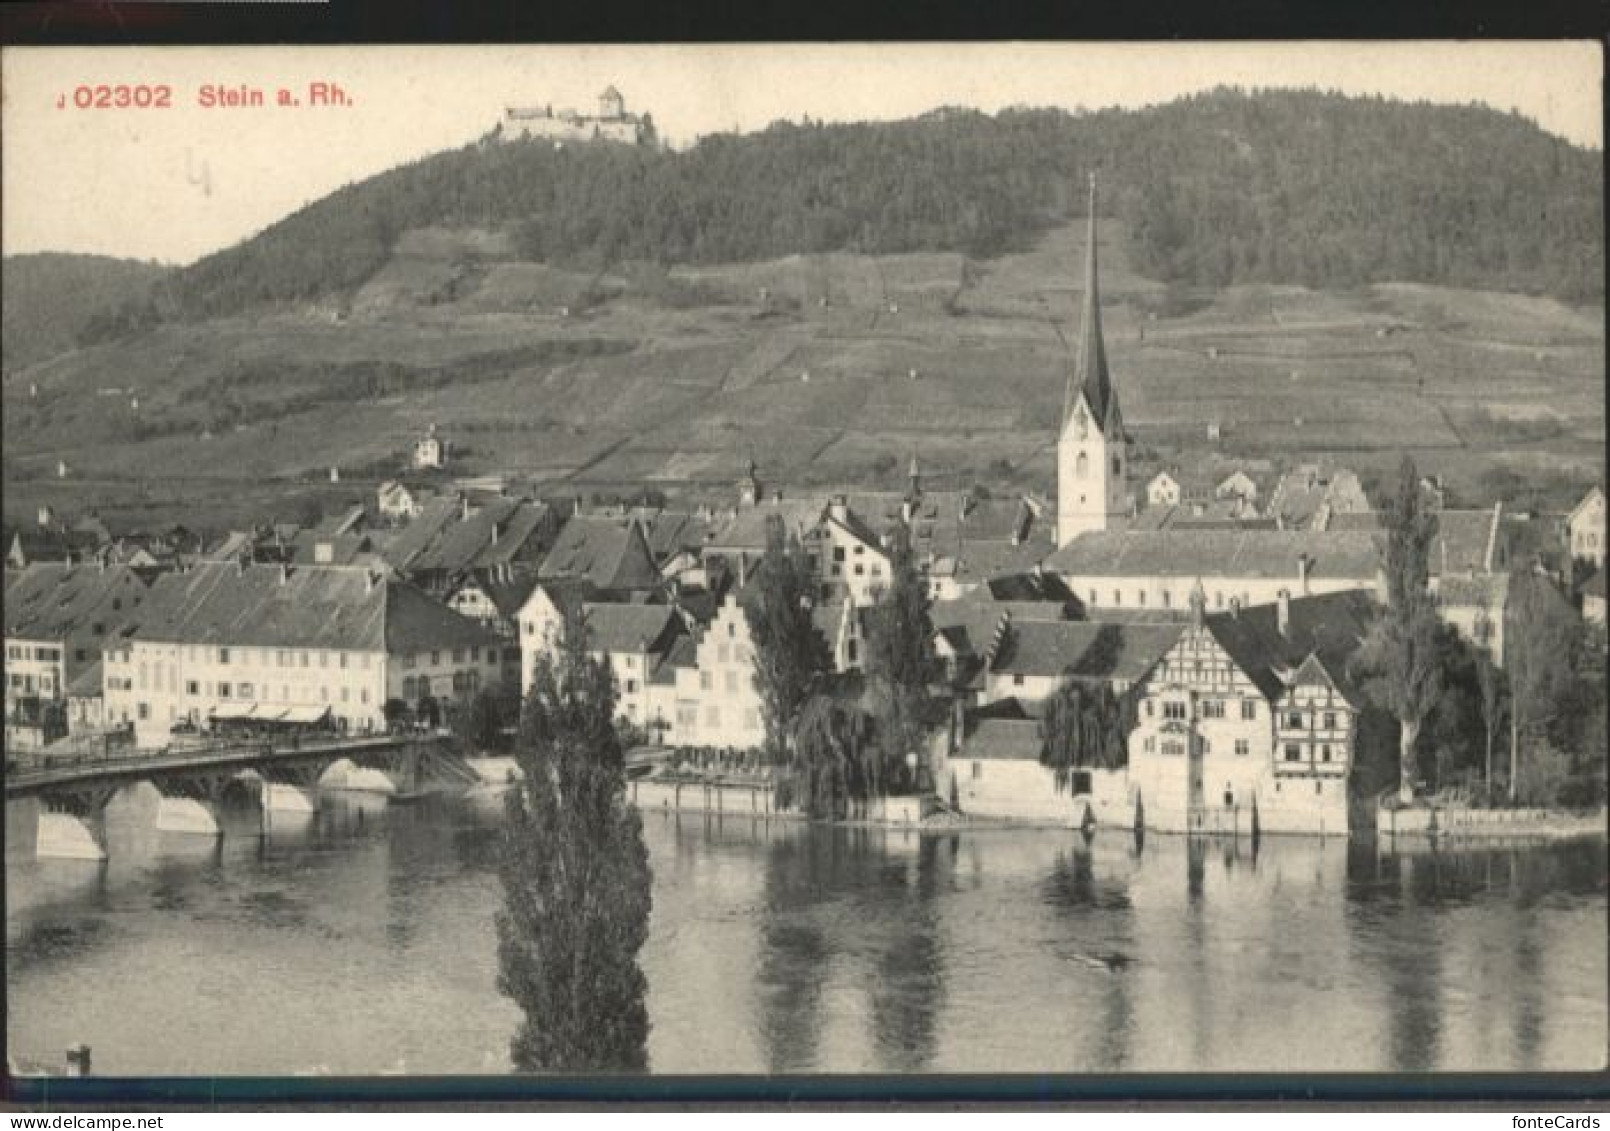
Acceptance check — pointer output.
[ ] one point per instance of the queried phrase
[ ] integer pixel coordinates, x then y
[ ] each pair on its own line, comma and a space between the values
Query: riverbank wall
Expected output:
1489, 824
758, 800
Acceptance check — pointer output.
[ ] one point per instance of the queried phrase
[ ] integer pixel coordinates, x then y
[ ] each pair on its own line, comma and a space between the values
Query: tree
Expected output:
1494, 698
1085, 727
1398, 659
790, 655
575, 877
479, 723
831, 764
900, 662
1540, 649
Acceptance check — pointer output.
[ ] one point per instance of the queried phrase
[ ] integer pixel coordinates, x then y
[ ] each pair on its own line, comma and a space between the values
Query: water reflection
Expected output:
360, 940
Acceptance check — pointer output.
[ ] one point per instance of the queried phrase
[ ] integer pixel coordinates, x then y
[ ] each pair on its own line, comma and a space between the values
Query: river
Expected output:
360, 941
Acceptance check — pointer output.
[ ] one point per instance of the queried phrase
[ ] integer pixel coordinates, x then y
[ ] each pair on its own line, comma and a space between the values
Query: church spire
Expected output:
1088, 374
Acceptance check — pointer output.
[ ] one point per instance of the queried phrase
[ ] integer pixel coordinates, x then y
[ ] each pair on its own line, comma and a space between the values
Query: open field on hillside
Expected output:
846, 362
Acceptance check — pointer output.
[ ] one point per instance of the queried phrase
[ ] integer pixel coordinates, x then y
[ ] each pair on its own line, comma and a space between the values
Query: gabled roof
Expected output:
611, 553
51, 601
1002, 740
1328, 627
1217, 554
301, 607
631, 628
1594, 492
442, 540
1084, 650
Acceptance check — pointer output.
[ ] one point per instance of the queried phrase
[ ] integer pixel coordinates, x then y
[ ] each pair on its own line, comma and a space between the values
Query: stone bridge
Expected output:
57, 809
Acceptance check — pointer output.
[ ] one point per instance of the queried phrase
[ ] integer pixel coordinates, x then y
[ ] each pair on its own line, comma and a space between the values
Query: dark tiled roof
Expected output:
1461, 541
970, 622
87, 683
630, 628
1084, 650
609, 552
683, 653
1594, 586
1329, 627
1217, 553
302, 607
1002, 740
51, 601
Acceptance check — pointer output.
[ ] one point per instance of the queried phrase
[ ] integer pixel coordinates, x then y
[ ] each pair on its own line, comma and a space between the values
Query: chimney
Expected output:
1283, 611
1304, 564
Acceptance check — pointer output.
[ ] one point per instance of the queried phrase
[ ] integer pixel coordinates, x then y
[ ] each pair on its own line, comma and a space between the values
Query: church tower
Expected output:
1092, 448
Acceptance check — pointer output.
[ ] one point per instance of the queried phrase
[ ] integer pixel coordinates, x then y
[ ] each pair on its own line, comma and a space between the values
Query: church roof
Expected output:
1089, 374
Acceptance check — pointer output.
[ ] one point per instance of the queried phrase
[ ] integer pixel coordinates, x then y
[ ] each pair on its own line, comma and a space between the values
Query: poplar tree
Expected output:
900, 657
790, 655
1398, 659
575, 877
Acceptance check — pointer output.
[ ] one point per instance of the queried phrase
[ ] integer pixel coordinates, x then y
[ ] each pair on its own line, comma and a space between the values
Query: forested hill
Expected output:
50, 298
1225, 187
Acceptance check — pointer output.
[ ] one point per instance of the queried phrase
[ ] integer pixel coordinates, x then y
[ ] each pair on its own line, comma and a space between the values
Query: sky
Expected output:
173, 184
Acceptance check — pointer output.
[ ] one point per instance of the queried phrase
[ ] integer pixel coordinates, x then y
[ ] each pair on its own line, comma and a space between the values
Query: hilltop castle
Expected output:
611, 123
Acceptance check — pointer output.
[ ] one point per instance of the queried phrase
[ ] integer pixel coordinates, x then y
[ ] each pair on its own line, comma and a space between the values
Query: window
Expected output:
223, 691
1092, 596
343, 663
1324, 752
475, 655
1017, 679
1293, 753
1174, 710
409, 659
1330, 720
1319, 788
324, 659
410, 687
1249, 708
852, 651
1213, 708
978, 770
191, 687
704, 681
1167, 599
1117, 465
631, 687
1173, 748
145, 711
859, 550
1148, 708
1117, 597
246, 690
877, 570
859, 569
1242, 748
1218, 599
838, 553
1151, 744
223, 655
435, 658
78, 655
732, 681
723, 654
1294, 720
458, 655
1081, 466
301, 659
1140, 596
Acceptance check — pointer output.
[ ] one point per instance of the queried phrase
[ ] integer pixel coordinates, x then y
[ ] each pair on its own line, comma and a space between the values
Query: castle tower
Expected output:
1092, 448
611, 105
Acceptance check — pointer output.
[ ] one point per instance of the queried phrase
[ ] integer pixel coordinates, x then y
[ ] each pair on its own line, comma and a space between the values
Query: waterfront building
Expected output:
1252, 711
280, 642
58, 618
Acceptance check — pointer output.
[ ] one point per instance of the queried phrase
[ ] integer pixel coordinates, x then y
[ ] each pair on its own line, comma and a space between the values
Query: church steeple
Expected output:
1092, 452
1089, 374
